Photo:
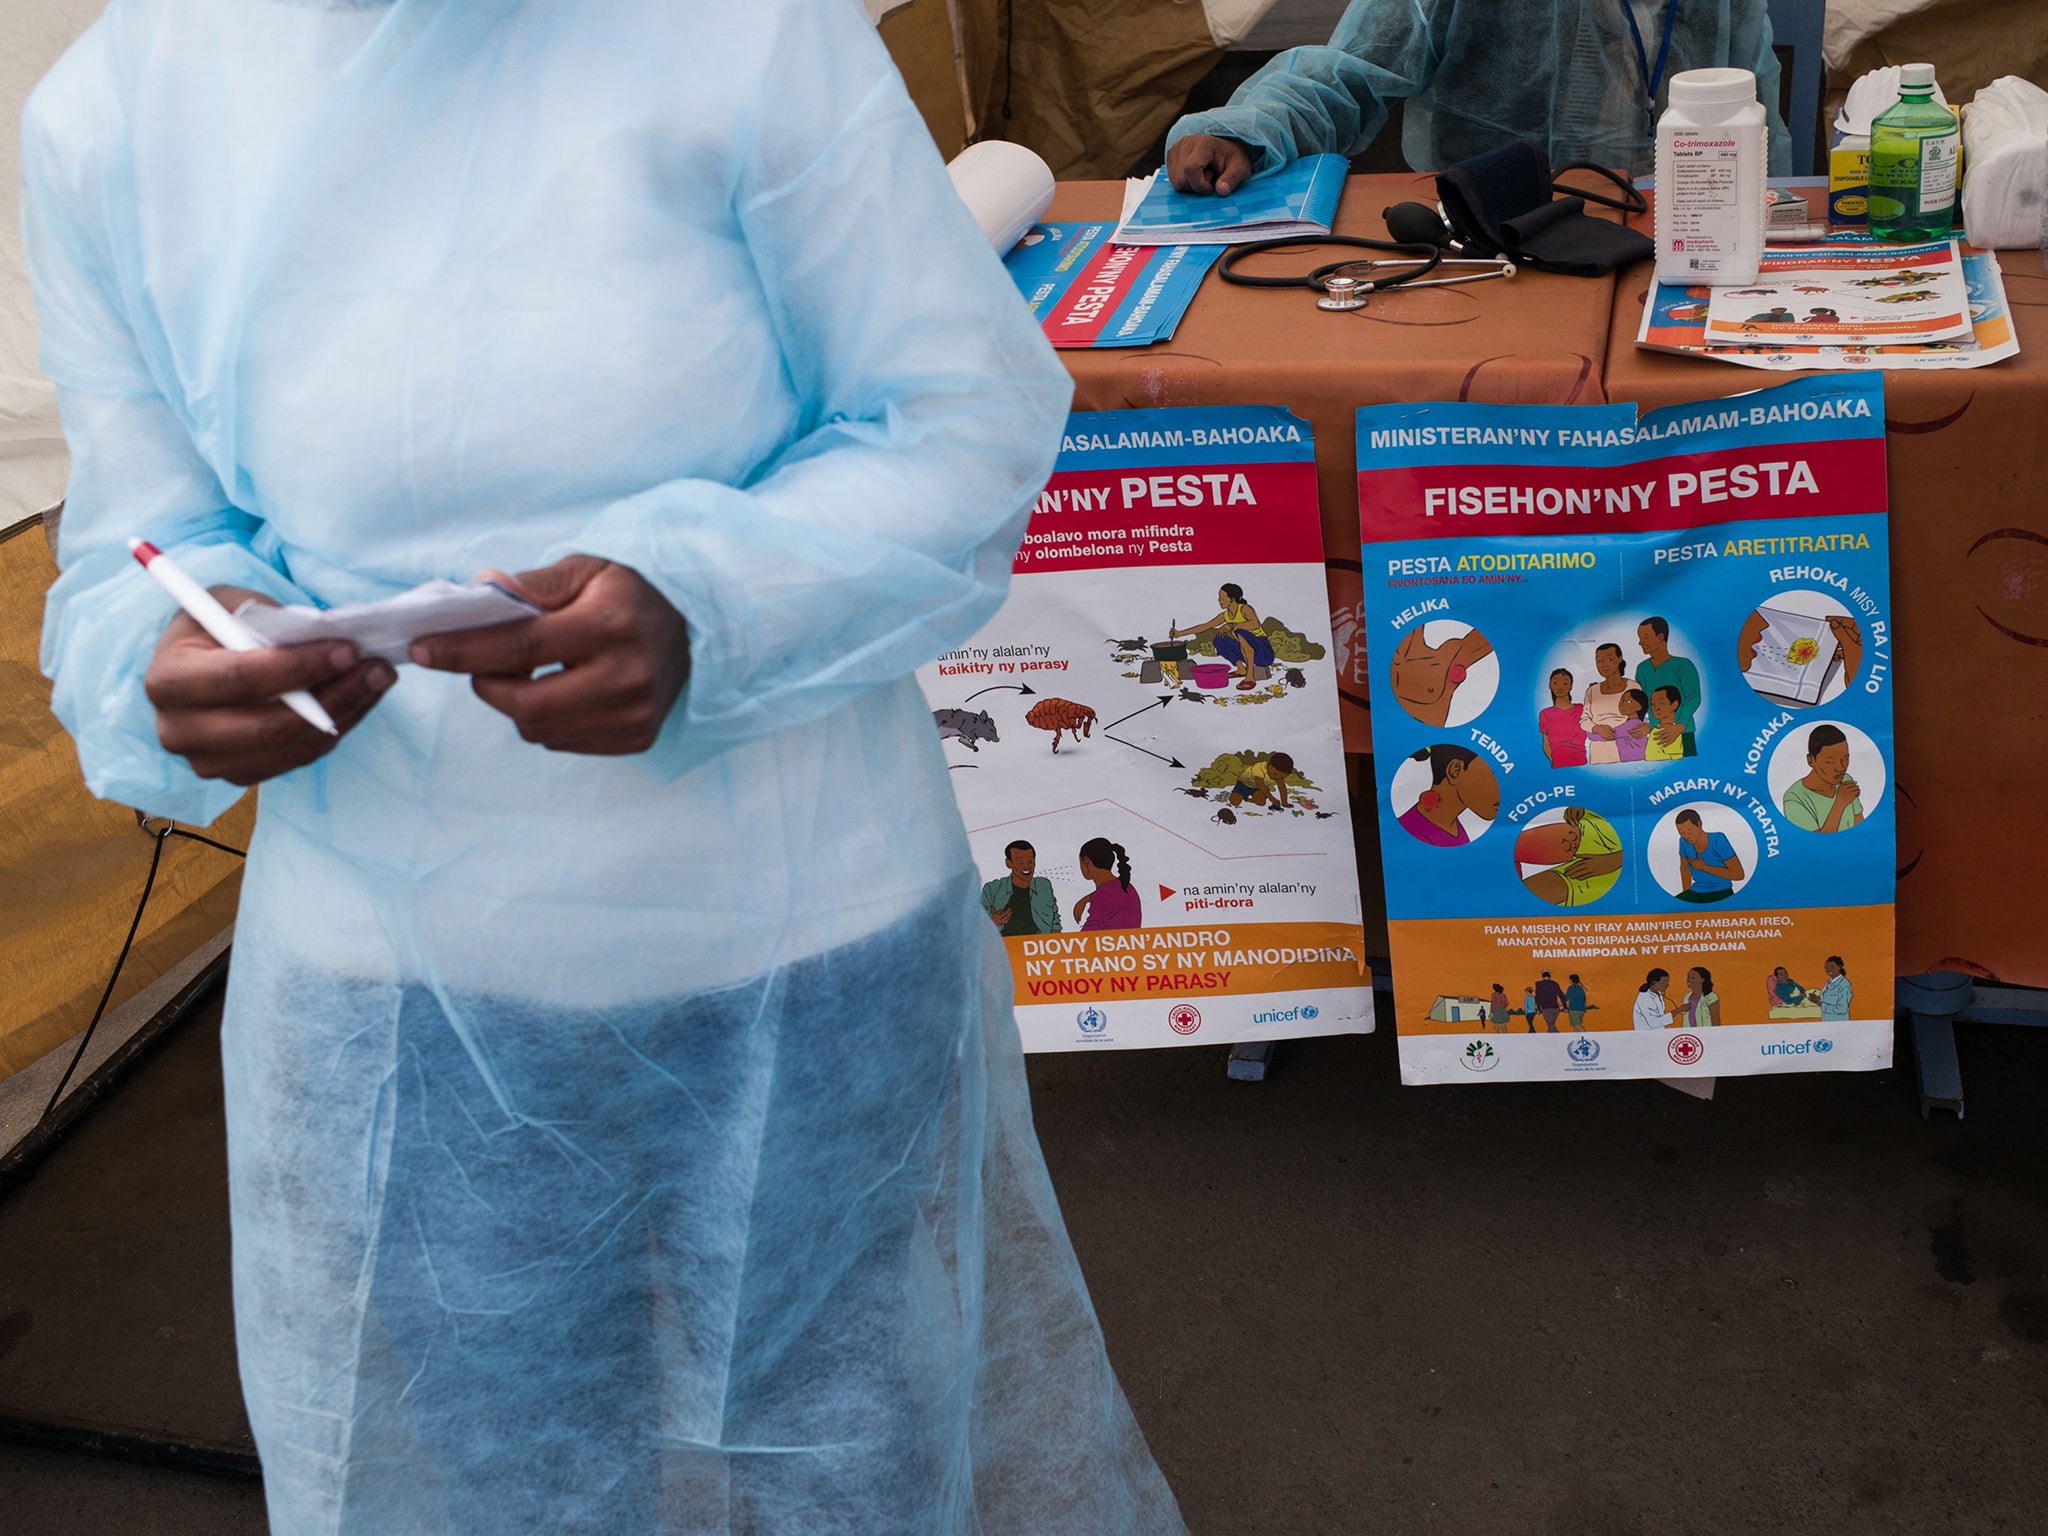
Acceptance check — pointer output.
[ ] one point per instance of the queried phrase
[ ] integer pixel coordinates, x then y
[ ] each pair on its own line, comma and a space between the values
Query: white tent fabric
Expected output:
32, 464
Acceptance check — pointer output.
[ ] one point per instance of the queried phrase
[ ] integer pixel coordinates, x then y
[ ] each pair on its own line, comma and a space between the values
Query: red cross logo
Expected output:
1184, 1020
1685, 1049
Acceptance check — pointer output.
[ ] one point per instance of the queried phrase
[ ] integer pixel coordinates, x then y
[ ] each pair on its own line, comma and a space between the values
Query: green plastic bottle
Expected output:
1913, 151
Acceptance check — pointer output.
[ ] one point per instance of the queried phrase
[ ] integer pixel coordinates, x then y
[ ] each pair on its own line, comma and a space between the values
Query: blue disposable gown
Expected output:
615, 1144
1560, 74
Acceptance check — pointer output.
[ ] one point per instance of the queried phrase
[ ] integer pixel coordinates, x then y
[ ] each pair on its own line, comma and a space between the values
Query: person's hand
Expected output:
223, 711
1604, 732
623, 650
1578, 869
1747, 639
1667, 734
1846, 790
1201, 162
1000, 918
1850, 638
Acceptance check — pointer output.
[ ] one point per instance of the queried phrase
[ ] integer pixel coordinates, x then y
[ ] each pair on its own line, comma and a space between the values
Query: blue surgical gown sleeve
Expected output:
932, 411
1331, 99
134, 472
1749, 47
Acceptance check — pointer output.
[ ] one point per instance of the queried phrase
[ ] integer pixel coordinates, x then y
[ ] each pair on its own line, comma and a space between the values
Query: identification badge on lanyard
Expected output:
1651, 78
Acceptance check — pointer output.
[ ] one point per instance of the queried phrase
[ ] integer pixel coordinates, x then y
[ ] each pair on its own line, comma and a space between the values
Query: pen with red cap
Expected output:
230, 631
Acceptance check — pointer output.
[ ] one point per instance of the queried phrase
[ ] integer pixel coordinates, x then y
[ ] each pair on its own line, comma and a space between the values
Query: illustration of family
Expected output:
1021, 902
1543, 998
1648, 718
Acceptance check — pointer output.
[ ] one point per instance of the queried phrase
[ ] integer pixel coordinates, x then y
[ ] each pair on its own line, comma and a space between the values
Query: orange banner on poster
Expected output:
1455, 963
1207, 960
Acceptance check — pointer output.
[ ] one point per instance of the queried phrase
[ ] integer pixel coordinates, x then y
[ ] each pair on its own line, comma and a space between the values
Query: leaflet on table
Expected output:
1145, 748
1674, 320
1634, 738
1298, 198
1086, 292
1836, 295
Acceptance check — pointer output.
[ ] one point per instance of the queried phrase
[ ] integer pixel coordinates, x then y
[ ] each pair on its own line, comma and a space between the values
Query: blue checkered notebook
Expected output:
1298, 198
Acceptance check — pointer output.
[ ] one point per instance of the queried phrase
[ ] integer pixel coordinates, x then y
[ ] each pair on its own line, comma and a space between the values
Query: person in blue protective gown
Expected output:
1582, 79
626, 1123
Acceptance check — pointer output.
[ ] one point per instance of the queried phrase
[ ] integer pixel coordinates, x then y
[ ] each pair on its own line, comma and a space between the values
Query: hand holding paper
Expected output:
622, 649
223, 710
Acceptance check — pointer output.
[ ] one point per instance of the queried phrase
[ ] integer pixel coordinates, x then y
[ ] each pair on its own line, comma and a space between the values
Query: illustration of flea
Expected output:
1061, 715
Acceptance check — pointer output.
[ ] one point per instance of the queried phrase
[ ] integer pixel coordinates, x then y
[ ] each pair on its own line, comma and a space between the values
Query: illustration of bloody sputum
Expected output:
1061, 716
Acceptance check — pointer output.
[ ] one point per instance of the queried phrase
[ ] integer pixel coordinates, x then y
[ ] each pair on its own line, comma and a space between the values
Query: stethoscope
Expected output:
1334, 282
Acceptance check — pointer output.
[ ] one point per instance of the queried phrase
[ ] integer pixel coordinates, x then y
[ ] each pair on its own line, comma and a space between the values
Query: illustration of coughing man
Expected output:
1021, 903
1826, 799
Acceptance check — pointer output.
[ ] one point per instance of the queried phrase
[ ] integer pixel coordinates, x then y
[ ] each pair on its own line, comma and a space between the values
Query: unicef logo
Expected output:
1583, 1048
1823, 1045
1093, 1021
1308, 1010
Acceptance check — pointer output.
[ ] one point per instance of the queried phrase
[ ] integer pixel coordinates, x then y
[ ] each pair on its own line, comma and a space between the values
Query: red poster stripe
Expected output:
1848, 479
1177, 515
1085, 308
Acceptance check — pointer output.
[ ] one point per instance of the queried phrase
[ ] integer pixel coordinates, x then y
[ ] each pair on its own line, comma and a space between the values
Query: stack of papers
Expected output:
1085, 291
1298, 198
1841, 303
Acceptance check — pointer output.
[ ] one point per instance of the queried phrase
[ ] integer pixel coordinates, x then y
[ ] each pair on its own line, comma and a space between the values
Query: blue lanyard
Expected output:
1652, 78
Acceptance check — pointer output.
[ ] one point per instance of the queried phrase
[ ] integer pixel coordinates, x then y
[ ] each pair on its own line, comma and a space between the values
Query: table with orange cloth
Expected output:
1967, 462
1533, 339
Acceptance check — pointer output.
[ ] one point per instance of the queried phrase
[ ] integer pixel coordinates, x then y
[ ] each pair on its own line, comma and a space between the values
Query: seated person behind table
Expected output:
1020, 903
1580, 79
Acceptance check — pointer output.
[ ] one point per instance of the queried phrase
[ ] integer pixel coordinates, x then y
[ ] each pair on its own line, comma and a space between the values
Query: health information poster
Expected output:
1632, 732
1145, 748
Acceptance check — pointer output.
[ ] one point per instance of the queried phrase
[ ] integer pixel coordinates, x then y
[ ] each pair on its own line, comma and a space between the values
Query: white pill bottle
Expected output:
1713, 161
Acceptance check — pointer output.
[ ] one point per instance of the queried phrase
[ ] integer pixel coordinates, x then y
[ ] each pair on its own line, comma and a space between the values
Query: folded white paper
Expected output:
387, 628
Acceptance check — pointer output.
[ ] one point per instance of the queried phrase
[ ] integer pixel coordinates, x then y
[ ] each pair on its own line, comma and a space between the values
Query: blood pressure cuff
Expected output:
1502, 203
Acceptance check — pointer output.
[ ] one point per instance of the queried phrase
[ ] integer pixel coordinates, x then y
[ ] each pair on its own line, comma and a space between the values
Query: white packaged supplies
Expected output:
2005, 149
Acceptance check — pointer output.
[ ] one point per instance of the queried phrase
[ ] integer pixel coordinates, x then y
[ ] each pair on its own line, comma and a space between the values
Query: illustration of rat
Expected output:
968, 727
1295, 679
